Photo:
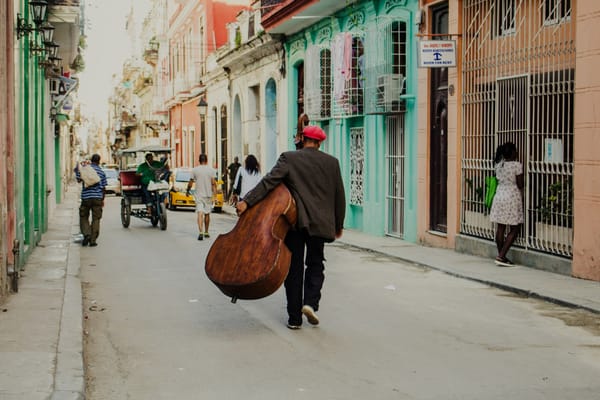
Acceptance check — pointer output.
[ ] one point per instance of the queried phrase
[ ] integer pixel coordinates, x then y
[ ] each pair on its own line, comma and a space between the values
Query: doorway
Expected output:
438, 151
395, 158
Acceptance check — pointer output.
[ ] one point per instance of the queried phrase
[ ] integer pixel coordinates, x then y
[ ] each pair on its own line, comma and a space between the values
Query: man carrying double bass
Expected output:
315, 182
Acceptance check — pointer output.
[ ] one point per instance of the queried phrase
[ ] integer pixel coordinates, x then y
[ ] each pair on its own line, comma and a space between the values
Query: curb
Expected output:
69, 375
509, 288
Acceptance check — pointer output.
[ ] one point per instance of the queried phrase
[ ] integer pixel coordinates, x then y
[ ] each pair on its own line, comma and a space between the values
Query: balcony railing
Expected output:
268, 5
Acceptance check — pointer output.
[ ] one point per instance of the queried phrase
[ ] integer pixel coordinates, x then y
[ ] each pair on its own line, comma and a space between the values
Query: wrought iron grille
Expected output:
518, 85
317, 83
395, 157
357, 161
386, 67
349, 74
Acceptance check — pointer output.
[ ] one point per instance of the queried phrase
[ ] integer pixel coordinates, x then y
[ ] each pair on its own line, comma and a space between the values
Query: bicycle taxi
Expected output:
132, 195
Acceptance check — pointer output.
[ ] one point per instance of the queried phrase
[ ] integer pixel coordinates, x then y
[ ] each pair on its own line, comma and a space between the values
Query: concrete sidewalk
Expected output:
41, 344
559, 289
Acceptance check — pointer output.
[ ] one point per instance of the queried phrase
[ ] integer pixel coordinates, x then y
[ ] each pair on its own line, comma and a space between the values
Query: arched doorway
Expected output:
270, 125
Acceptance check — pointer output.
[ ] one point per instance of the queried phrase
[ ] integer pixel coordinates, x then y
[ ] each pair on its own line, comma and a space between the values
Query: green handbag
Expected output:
491, 182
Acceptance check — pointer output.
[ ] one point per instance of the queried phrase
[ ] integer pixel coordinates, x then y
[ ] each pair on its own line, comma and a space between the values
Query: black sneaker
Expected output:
93, 244
85, 241
200, 237
504, 262
293, 326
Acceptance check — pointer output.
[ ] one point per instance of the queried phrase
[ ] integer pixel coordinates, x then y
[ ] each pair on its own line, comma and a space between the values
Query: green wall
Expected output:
30, 177
370, 217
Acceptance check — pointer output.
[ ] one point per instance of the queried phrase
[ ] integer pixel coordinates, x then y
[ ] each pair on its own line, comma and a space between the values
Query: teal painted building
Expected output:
354, 73
30, 143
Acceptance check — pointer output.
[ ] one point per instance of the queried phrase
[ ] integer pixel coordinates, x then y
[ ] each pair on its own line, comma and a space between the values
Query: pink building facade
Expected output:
7, 129
195, 30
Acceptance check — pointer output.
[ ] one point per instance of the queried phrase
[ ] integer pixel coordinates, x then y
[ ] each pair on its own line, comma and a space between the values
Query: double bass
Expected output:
252, 261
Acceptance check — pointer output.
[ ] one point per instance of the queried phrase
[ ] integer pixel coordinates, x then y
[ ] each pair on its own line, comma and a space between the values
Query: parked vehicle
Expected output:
219, 197
113, 184
177, 192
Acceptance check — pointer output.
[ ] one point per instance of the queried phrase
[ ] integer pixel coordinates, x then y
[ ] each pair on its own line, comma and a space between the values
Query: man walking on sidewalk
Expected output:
206, 187
92, 200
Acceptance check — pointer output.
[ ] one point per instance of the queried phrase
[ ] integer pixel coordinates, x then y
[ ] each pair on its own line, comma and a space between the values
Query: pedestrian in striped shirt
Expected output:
92, 200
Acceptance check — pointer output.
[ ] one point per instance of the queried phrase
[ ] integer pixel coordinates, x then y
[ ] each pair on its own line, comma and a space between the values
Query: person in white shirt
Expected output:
206, 186
250, 176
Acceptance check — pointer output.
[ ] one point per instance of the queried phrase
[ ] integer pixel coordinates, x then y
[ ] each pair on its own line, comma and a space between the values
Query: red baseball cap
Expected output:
314, 132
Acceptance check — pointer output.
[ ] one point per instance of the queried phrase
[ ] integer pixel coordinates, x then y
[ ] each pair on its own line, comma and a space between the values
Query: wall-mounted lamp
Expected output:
51, 48
47, 32
55, 60
38, 10
202, 107
45, 64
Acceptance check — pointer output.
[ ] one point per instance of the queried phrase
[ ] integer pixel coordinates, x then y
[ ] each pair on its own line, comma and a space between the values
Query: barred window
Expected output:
505, 17
251, 26
317, 84
348, 74
556, 11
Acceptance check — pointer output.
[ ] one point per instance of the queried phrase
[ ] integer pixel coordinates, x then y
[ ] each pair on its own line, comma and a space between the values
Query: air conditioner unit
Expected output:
389, 89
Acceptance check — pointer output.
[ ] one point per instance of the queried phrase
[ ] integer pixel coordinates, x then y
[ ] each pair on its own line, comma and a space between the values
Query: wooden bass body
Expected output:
252, 261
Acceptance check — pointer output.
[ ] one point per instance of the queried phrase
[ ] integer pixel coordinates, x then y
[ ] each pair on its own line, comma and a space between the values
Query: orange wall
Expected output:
454, 121
224, 13
586, 246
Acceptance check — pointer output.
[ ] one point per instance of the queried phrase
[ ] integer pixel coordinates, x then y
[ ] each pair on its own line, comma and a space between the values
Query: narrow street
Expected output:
156, 328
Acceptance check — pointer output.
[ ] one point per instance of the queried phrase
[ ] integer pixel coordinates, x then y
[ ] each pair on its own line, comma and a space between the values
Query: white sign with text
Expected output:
437, 53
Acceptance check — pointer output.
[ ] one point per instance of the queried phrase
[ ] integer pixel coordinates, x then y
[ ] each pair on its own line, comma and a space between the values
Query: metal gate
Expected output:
518, 85
395, 157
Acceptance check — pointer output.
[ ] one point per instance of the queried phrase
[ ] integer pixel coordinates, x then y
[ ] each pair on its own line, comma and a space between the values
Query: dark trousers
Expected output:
95, 207
304, 286
146, 193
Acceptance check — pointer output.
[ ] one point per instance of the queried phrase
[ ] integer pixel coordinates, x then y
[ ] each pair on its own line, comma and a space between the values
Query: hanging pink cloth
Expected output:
347, 55
339, 73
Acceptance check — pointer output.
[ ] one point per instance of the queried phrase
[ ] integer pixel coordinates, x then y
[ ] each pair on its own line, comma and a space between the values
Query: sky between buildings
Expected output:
107, 47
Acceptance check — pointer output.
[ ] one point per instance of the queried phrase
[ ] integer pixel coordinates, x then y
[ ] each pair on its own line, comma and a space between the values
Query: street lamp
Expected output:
38, 10
202, 107
51, 48
47, 32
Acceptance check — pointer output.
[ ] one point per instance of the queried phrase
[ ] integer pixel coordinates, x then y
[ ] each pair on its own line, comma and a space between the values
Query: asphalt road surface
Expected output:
157, 328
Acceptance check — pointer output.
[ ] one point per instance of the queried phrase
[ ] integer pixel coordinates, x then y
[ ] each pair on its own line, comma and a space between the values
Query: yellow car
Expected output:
218, 198
179, 182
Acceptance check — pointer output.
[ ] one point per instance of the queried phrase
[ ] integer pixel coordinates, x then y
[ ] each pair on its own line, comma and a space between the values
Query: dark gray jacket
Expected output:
315, 181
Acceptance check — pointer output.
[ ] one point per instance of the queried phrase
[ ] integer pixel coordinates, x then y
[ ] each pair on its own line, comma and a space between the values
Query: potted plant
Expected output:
475, 211
554, 225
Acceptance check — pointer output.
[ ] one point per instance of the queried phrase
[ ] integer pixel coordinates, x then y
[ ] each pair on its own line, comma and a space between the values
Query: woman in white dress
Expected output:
507, 206
250, 176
